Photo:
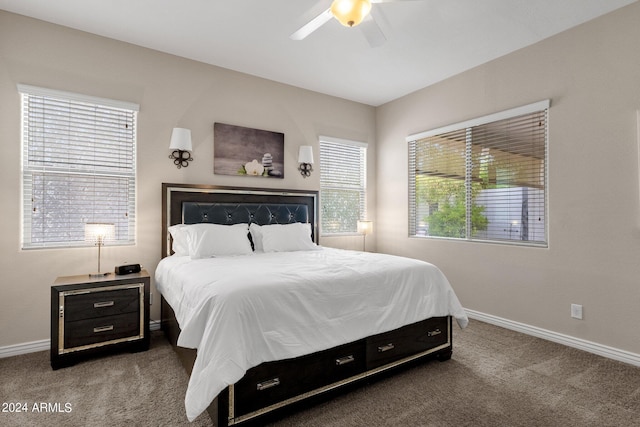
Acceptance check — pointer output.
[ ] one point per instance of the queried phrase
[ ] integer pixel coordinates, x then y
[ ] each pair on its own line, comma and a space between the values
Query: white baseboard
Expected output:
588, 346
45, 345
24, 348
154, 325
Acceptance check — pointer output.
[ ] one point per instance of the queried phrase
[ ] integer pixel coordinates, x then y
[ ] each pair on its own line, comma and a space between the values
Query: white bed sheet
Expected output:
241, 311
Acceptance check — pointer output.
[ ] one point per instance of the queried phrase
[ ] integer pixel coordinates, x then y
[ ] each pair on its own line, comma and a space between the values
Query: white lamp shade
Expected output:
305, 155
99, 232
181, 139
365, 227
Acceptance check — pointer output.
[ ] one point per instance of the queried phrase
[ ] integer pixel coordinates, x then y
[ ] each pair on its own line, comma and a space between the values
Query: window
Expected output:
342, 185
482, 180
78, 166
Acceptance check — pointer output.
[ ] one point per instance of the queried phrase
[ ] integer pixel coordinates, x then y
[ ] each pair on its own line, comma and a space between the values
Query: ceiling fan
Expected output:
349, 13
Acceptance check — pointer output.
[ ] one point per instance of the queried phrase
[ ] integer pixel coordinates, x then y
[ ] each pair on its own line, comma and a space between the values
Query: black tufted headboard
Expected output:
191, 204
238, 213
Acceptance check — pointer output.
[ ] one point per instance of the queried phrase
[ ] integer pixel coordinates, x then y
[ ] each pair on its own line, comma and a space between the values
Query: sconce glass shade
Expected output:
305, 155
181, 139
350, 12
98, 233
365, 227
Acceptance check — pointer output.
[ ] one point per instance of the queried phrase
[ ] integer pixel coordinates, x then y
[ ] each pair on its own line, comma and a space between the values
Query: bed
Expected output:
275, 319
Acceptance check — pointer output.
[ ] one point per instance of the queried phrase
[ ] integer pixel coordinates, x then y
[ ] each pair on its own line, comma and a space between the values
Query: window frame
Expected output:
127, 175
362, 188
541, 106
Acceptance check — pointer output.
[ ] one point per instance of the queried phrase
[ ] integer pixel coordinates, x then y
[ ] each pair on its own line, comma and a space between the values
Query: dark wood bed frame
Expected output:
275, 388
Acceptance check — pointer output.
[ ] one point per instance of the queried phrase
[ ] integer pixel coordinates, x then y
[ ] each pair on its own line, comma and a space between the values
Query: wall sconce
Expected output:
99, 233
305, 158
364, 228
181, 145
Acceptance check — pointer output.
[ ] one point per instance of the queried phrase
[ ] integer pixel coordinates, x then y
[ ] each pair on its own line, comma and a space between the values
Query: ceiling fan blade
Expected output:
312, 25
372, 32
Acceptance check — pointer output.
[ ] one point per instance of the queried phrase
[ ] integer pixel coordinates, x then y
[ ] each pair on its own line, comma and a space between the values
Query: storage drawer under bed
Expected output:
274, 382
394, 345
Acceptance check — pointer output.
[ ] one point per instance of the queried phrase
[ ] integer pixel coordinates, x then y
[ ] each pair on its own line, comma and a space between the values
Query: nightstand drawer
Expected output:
99, 304
102, 329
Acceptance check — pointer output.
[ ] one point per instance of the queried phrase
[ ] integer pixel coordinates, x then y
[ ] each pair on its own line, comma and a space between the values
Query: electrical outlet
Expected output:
576, 311
150, 299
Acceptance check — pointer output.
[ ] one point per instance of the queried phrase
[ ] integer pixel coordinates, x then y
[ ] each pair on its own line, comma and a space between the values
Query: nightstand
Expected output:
91, 316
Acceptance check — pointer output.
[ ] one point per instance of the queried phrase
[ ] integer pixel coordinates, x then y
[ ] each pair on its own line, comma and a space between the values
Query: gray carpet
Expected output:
496, 378
127, 389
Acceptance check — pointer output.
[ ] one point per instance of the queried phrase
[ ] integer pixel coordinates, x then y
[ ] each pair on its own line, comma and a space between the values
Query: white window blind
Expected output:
483, 180
79, 157
342, 185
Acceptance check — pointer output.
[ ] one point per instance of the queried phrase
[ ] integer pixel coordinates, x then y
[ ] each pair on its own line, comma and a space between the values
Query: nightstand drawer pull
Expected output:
344, 360
103, 328
268, 384
103, 304
434, 333
386, 347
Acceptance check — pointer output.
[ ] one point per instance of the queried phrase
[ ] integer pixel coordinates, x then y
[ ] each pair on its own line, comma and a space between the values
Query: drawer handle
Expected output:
344, 360
386, 347
268, 384
434, 333
103, 328
102, 304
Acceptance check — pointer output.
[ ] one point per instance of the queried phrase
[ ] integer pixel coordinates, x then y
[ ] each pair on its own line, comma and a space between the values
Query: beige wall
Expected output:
590, 73
171, 92
592, 76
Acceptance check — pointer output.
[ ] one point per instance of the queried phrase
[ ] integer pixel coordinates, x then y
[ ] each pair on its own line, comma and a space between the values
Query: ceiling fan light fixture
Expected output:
350, 12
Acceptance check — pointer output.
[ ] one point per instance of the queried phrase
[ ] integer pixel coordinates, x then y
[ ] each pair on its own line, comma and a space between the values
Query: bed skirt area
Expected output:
275, 388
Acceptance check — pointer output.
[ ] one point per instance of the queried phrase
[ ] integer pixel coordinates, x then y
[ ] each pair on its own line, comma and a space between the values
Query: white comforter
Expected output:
244, 310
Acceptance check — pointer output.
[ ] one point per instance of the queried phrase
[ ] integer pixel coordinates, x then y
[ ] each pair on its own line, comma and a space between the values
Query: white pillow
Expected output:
180, 243
215, 240
286, 237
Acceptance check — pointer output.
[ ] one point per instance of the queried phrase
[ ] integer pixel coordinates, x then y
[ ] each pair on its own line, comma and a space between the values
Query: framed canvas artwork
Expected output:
245, 151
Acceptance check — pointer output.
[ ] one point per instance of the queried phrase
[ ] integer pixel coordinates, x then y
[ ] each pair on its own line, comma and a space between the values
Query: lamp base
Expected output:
96, 275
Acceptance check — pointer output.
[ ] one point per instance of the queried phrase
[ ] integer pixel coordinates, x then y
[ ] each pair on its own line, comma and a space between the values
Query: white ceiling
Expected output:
427, 40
